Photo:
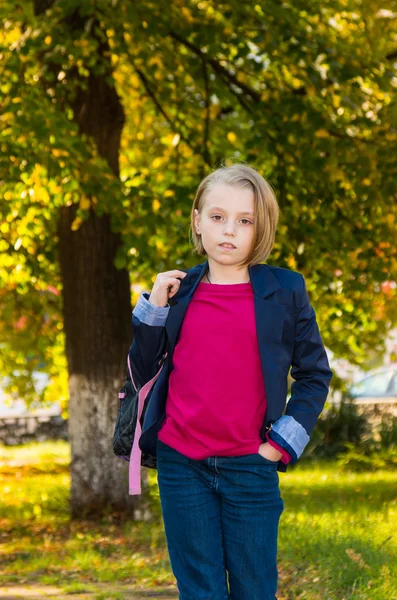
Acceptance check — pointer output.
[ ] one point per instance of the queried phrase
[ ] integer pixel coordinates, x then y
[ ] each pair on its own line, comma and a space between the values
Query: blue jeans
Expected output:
221, 514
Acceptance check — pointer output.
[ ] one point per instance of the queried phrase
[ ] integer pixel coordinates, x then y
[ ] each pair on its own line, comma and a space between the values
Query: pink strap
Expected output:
136, 453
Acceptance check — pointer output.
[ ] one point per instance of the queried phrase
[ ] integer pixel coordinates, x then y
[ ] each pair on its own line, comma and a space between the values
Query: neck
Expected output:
240, 278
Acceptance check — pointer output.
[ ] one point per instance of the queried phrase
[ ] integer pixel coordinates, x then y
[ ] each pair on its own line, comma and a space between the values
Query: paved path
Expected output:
46, 592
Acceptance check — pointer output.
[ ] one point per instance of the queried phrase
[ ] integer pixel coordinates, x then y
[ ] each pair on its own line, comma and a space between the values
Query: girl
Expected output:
226, 333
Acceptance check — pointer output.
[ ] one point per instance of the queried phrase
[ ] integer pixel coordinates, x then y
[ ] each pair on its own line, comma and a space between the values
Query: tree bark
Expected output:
96, 305
97, 316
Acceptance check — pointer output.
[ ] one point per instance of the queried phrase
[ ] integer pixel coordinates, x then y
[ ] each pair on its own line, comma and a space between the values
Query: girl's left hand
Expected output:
268, 451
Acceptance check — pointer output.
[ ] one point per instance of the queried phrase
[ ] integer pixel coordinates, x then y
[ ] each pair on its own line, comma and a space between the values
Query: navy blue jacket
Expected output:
288, 335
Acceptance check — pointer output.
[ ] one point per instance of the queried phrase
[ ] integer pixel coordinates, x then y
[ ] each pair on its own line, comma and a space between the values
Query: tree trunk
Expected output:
97, 317
96, 302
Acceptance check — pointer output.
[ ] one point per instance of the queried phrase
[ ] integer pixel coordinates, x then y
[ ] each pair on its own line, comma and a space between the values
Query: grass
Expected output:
337, 532
337, 538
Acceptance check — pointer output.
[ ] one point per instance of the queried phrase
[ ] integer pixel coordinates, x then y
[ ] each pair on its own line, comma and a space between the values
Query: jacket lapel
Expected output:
180, 302
270, 316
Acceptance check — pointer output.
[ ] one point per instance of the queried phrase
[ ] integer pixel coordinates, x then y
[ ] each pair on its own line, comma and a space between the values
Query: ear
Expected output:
196, 218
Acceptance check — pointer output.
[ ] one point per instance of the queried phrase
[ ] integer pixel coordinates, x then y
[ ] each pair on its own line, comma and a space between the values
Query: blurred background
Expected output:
111, 113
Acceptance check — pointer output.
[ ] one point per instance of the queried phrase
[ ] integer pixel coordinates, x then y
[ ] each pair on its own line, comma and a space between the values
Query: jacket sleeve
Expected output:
285, 456
312, 375
149, 339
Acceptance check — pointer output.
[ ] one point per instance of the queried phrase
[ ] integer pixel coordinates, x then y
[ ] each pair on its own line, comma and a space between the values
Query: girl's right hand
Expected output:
165, 287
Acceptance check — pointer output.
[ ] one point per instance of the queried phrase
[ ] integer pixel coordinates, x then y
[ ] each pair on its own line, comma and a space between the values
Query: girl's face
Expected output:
227, 216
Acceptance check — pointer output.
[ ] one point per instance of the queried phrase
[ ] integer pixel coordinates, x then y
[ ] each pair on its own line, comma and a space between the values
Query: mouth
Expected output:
227, 246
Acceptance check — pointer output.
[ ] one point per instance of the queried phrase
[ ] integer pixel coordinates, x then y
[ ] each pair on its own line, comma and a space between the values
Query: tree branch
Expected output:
152, 95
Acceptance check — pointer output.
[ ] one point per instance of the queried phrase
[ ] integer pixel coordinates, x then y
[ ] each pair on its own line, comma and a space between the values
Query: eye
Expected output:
215, 216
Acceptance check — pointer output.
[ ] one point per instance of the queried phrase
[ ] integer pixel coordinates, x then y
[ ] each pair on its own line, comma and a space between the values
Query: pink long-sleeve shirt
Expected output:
216, 399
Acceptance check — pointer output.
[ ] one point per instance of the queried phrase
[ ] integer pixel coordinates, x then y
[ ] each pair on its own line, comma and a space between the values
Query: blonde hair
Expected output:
266, 210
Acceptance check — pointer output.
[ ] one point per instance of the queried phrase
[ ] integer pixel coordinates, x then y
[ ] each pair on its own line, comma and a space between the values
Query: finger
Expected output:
175, 273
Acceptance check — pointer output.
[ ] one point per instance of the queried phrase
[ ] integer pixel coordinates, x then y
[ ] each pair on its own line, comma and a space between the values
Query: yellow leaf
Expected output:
57, 152
322, 133
156, 163
296, 82
76, 223
85, 203
231, 136
42, 195
156, 205
311, 90
291, 262
48, 40
54, 188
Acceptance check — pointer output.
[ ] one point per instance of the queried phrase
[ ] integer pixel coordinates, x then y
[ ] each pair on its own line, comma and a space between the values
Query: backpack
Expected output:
133, 402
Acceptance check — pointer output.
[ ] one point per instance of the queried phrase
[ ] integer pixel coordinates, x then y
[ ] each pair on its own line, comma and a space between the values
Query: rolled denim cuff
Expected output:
148, 313
291, 435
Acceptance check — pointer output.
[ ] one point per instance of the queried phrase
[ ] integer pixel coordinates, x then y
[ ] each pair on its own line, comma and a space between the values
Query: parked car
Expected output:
379, 386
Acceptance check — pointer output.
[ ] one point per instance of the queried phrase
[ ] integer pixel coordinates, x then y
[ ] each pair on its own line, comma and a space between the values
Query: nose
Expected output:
229, 229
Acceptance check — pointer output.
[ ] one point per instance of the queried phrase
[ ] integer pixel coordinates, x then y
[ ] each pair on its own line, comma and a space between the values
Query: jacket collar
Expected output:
263, 281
